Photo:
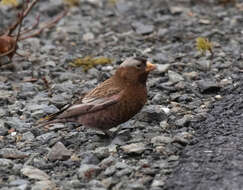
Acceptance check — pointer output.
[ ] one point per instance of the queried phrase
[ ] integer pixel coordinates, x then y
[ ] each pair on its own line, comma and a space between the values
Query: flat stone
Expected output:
88, 171
34, 173
12, 153
208, 86
174, 77
143, 29
137, 148
58, 152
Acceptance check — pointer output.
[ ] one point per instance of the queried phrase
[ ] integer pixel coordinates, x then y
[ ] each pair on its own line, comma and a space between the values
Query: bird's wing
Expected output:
90, 105
101, 97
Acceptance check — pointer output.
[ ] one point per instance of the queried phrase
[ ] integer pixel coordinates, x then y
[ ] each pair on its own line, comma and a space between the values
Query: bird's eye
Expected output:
139, 66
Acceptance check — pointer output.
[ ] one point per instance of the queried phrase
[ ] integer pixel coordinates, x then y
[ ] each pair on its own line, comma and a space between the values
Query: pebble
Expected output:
161, 140
137, 148
152, 114
162, 68
34, 173
174, 77
45, 184
208, 86
87, 172
6, 163
143, 29
28, 136
12, 153
58, 152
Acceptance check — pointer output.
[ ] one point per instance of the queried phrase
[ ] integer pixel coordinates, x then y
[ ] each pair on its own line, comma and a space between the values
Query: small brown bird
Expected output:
112, 102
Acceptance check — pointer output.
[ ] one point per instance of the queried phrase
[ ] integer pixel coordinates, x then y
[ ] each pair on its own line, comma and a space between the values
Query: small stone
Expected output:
191, 75
208, 86
183, 122
125, 171
88, 171
152, 114
34, 173
176, 9
28, 136
204, 65
162, 68
173, 158
181, 140
158, 183
204, 21
12, 153
59, 152
110, 171
45, 184
162, 32
136, 186
137, 148
143, 29
88, 36
3, 129
161, 140
174, 77
102, 152
218, 97
46, 137
5, 163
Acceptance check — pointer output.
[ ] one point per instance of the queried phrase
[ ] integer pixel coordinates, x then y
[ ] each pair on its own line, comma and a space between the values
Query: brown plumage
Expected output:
112, 102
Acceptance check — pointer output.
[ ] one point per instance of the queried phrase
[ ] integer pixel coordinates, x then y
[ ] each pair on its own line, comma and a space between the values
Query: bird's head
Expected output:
134, 70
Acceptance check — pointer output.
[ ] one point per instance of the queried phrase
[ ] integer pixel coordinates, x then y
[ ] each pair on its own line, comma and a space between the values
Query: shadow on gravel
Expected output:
215, 159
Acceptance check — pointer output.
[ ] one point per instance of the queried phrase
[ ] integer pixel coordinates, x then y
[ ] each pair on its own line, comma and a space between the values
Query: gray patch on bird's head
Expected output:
133, 61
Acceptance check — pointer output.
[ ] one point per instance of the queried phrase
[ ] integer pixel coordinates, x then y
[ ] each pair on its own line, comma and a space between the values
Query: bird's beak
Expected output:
150, 66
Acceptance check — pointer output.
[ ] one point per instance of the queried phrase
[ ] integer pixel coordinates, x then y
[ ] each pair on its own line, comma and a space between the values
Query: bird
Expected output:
112, 102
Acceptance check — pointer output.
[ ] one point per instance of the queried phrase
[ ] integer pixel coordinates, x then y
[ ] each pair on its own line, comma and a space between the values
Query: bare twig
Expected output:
48, 24
27, 8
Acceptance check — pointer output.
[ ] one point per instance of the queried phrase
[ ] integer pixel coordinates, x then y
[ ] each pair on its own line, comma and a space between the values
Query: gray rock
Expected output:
162, 32
5, 163
88, 171
102, 152
208, 86
204, 65
174, 77
59, 152
125, 171
12, 153
152, 114
161, 140
46, 137
34, 173
162, 68
184, 121
90, 158
136, 148
88, 36
136, 186
110, 171
45, 184
143, 29
3, 129
28, 136
191, 75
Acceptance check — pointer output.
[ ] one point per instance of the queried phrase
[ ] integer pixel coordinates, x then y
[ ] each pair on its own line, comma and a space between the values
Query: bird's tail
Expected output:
52, 118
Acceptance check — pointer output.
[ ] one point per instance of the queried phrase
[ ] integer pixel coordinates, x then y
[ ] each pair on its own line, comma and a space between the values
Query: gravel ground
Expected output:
193, 115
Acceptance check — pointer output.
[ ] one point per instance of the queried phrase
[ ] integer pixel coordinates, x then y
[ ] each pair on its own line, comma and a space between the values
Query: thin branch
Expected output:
27, 8
49, 24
